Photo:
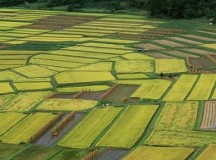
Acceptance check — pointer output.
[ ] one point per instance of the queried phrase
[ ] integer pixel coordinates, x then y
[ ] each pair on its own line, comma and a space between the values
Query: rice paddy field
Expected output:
106, 86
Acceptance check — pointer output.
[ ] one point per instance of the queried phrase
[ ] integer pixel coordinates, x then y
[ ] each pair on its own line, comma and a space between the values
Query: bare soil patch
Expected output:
159, 56
185, 40
169, 43
201, 62
111, 154
48, 140
209, 116
199, 37
148, 46
181, 54
121, 93
59, 22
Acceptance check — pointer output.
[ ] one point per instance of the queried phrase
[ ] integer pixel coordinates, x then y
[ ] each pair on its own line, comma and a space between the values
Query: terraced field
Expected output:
101, 86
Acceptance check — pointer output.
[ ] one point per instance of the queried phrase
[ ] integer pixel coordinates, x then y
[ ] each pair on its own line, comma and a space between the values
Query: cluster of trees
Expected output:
159, 8
5, 3
182, 8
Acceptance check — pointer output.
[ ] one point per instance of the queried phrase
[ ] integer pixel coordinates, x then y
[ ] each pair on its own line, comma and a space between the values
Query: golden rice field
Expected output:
105, 86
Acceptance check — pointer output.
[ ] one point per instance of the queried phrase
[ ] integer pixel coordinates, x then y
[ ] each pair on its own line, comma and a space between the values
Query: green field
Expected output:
132, 123
117, 83
90, 128
66, 105
181, 88
23, 131
203, 88
152, 89
25, 101
158, 153
170, 66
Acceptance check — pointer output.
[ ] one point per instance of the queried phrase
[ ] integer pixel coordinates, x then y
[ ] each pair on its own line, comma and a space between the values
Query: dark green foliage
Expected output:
182, 8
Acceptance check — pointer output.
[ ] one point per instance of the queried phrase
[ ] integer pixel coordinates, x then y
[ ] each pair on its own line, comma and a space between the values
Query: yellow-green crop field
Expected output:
25, 101
34, 71
203, 88
170, 66
23, 131
211, 46
82, 77
181, 88
158, 153
5, 88
152, 89
134, 66
89, 129
8, 120
129, 127
66, 105
123, 85
208, 153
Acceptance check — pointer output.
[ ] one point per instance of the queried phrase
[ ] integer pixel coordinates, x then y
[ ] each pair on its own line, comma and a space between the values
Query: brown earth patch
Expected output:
59, 22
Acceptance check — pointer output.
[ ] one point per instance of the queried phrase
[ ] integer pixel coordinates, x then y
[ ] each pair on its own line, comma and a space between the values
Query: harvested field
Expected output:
111, 154
201, 38
59, 22
191, 42
92, 95
121, 92
159, 55
199, 51
83, 88
62, 96
207, 32
3, 46
148, 34
180, 54
209, 116
48, 139
201, 62
169, 43
149, 46
214, 57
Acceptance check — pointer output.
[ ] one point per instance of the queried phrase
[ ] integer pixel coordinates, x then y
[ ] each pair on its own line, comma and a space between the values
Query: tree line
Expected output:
157, 8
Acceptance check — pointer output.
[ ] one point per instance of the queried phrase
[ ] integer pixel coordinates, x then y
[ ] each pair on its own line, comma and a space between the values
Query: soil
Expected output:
59, 22
121, 92
169, 43
159, 55
209, 120
198, 37
48, 140
201, 62
181, 54
186, 40
111, 154
148, 46
92, 95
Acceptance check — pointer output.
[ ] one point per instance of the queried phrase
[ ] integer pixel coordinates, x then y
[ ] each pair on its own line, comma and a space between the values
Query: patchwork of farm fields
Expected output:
96, 86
